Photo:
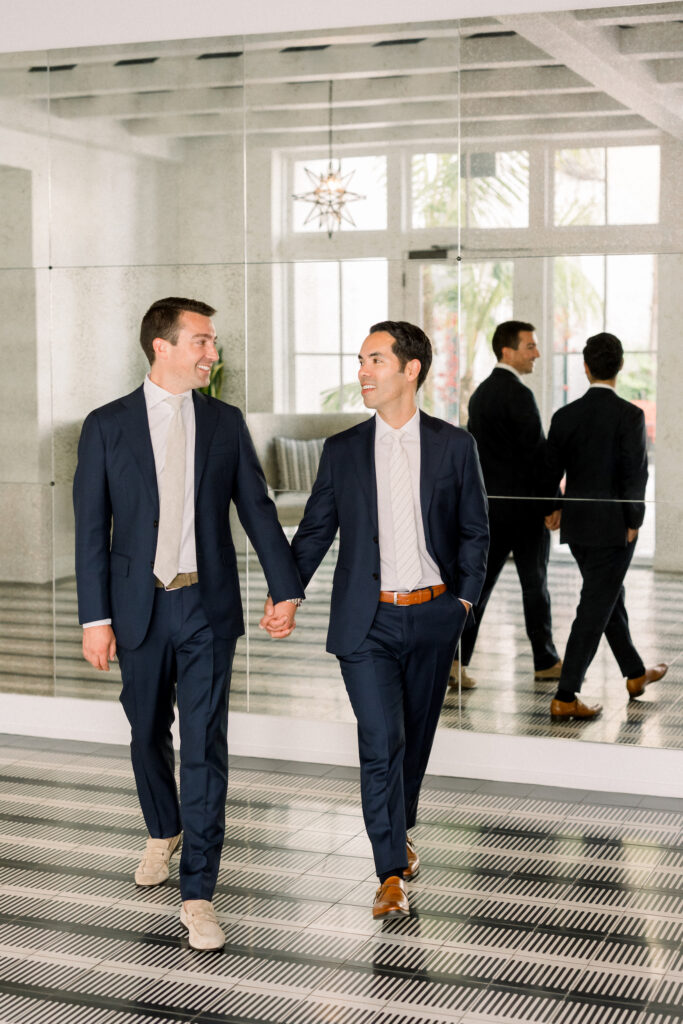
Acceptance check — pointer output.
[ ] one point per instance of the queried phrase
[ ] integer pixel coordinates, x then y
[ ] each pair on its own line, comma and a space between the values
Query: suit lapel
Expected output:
205, 418
363, 450
431, 454
135, 427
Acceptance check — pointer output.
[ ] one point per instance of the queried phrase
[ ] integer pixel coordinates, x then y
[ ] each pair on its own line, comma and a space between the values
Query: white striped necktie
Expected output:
172, 498
408, 568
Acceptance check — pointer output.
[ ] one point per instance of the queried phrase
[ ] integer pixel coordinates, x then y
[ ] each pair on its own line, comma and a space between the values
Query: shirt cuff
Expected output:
97, 622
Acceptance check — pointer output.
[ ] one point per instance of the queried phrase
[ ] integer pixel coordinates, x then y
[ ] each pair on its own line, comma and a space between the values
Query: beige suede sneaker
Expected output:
199, 918
153, 868
460, 675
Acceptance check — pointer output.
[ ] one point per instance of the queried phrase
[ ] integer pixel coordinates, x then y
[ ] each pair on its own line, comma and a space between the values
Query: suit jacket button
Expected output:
375, 540
155, 523
151, 565
375, 576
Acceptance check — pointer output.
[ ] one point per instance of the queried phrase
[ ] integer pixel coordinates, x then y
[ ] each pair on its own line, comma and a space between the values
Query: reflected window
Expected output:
479, 190
613, 185
368, 177
461, 305
334, 305
606, 293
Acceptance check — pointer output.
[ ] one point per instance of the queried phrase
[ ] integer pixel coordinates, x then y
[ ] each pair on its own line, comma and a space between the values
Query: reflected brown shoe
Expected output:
413, 868
153, 868
391, 899
636, 686
459, 672
554, 672
573, 709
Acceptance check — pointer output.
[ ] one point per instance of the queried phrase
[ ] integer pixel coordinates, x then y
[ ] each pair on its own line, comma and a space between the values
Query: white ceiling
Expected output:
608, 73
43, 24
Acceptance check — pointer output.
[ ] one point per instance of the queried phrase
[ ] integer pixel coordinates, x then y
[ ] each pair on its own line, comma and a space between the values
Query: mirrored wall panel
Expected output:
458, 175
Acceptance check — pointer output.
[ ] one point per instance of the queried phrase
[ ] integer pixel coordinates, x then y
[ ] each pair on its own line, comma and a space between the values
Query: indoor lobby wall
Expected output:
105, 219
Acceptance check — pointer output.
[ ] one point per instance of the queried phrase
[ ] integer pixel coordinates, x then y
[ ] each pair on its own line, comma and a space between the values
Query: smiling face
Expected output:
187, 364
385, 386
523, 357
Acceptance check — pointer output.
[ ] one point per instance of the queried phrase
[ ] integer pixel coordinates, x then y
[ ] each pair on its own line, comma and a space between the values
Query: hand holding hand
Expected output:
554, 519
278, 619
99, 646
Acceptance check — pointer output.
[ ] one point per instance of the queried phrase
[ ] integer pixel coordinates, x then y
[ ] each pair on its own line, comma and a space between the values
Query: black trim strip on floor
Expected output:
392, 926
588, 884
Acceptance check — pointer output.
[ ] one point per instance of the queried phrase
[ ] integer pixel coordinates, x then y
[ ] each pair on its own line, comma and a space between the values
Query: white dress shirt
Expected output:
159, 415
410, 439
506, 366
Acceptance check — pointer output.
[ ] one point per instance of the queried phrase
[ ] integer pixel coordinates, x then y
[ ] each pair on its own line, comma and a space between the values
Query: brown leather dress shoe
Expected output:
391, 899
554, 672
573, 709
636, 686
413, 868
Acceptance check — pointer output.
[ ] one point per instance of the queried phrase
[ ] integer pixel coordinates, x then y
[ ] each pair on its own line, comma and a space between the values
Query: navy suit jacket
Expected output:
115, 483
599, 441
506, 424
344, 497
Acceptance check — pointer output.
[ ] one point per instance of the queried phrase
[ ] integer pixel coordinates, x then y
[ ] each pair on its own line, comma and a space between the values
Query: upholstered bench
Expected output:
290, 463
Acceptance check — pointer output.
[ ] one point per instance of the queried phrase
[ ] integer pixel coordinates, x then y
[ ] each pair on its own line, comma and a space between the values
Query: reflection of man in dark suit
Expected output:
504, 419
161, 589
599, 442
405, 491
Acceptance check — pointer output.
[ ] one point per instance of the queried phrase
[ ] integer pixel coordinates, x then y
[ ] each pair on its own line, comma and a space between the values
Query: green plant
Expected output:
215, 386
338, 398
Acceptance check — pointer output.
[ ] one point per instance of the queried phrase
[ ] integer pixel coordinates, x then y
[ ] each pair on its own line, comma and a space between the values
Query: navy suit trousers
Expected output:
601, 609
181, 659
518, 528
396, 682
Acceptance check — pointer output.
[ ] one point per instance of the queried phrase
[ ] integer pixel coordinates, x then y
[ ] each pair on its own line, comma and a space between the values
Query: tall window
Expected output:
613, 185
481, 190
461, 305
614, 293
368, 178
334, 304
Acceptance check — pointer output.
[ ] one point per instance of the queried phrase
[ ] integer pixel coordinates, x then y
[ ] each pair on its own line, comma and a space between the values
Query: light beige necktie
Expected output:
406, 552
172, 498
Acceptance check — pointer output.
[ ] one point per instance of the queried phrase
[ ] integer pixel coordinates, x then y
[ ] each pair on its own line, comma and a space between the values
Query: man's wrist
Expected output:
298, 601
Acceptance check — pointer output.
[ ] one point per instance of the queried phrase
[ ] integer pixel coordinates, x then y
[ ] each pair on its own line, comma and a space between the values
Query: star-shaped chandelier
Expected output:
330, 193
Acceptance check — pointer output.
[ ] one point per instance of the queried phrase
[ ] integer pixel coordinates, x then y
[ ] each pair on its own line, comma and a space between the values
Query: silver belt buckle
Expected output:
396, 597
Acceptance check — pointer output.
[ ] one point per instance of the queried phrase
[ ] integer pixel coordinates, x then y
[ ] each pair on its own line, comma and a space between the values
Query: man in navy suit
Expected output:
406, 493
506, 424
165, 462
599, 442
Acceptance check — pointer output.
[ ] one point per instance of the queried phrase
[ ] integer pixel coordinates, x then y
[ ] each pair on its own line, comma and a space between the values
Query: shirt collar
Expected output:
597, 384
411, 429
511, 369
154, 395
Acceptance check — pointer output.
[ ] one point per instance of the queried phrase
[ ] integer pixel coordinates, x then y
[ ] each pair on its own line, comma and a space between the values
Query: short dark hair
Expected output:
162, 320
603, 355
506, 335
410, 342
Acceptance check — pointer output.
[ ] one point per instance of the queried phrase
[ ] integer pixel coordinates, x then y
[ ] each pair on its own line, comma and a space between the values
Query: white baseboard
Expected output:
611, 768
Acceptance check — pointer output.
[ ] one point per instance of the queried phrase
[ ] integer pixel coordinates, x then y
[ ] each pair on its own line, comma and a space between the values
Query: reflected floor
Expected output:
297, 678
532, 904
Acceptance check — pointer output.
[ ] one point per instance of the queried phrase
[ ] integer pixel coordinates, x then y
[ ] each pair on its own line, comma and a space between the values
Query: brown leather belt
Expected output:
183, 579
414, 597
